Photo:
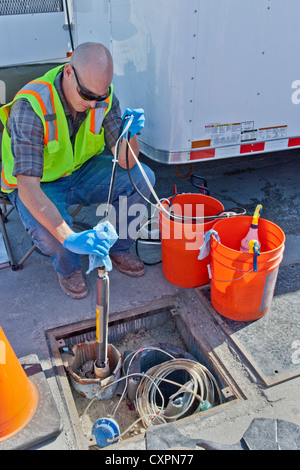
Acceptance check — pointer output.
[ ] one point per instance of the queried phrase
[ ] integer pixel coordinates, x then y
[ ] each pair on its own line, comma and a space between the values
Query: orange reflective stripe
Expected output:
52, 101
6, 112
92, 128
9, 185
43, 108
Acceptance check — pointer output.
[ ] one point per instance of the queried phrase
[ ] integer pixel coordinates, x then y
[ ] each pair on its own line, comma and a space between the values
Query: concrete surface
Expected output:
32, 302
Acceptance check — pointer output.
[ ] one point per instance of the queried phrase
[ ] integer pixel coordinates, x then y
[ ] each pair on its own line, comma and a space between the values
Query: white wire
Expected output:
204, 385
115, 159
134, 354
159, 205
127, 376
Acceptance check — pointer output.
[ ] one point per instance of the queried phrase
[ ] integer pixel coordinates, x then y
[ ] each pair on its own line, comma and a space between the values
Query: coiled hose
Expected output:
195, 395
198, 393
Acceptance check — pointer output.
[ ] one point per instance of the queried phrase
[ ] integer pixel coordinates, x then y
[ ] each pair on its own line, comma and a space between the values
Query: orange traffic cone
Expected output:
18, 395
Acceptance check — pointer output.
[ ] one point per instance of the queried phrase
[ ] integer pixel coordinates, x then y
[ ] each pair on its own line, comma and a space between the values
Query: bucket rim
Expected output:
164, 217
281, 246
263, 265
198, 195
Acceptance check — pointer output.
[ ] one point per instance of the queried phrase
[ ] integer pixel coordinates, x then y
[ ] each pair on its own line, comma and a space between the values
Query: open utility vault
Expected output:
187, 319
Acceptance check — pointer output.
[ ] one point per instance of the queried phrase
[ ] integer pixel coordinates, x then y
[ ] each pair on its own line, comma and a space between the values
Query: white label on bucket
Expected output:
269, 290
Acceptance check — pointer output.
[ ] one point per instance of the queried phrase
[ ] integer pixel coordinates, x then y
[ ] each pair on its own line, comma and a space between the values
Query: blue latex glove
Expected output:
138, 120
87, 243
104, 230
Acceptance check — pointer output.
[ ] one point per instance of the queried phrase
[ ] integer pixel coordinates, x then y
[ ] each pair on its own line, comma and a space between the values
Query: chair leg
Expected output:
78, 208
79, 225
13, 265
3, 219
29, 252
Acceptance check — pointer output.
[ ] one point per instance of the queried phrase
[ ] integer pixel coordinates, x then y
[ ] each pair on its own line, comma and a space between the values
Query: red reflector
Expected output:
294, 142
201, 154
248, 148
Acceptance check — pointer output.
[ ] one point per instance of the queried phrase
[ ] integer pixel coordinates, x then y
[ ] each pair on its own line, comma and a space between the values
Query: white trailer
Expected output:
216, 78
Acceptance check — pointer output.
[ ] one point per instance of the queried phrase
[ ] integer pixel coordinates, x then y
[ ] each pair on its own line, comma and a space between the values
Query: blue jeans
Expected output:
88, 185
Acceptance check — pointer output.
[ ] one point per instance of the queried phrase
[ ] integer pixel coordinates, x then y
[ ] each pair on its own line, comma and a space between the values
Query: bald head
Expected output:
94, 56
94, 68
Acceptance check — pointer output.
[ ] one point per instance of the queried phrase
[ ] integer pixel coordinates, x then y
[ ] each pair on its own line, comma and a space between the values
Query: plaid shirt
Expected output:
27, 133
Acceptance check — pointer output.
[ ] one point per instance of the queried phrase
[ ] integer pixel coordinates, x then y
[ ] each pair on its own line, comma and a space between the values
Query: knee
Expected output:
44, 240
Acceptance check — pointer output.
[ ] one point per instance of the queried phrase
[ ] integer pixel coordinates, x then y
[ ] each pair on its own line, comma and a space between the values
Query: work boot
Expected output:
75, 285
129, 264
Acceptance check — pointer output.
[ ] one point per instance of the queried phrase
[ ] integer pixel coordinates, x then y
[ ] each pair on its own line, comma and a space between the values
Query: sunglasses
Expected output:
86, 95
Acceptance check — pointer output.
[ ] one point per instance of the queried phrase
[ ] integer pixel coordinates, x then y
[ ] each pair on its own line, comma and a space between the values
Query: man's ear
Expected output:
68, 70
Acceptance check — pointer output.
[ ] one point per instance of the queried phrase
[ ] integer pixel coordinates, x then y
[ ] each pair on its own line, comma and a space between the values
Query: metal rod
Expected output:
114, 174
102, 302
102, 312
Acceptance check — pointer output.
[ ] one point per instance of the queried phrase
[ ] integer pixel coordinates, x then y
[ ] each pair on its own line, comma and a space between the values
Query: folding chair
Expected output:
4, 213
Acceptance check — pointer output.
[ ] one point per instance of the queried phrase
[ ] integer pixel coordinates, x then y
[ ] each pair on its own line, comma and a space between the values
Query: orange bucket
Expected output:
182, 238
237, 292
18, 395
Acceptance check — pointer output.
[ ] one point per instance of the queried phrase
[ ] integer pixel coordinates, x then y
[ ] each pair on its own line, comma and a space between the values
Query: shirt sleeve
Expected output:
112, 123
27, 139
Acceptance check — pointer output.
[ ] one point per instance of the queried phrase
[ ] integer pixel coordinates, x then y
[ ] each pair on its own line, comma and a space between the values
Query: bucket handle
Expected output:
233, 212
222, 280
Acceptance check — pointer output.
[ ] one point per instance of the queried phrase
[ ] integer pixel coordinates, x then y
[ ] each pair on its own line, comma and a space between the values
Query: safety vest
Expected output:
60, 158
